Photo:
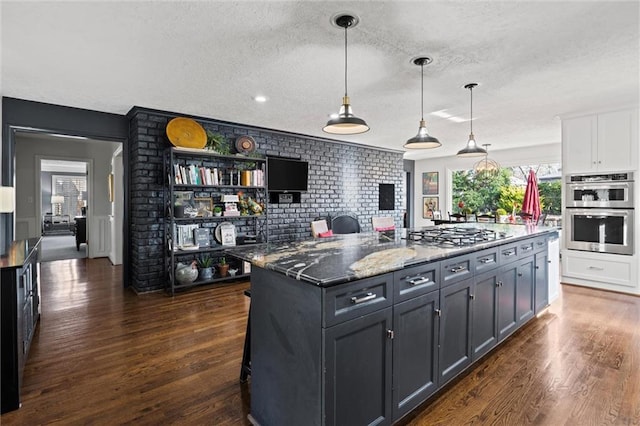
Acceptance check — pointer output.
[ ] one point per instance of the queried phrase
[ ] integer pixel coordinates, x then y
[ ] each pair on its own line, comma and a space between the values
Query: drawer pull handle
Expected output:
526, 248
508, 253
418, 280
596, 268
486, 260
369, 296
457, 269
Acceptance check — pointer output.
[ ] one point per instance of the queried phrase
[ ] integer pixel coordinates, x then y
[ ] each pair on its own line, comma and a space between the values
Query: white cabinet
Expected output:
600, 142
601, 270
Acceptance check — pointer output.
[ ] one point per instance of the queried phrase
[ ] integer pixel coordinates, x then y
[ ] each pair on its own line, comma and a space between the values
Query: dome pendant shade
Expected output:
472, 149
423, 139
346, 123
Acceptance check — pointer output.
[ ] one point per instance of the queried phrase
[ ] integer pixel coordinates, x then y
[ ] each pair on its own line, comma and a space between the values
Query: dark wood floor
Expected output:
106, 356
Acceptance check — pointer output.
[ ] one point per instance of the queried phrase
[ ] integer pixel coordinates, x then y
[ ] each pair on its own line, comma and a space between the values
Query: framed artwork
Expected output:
430, 183
429, 206
204, 206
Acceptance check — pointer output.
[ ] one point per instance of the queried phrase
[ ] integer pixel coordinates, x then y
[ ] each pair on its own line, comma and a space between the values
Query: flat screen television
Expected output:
286, 174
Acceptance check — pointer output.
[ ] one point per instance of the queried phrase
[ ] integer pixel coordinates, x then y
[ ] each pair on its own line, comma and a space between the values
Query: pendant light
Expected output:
422, 139
472, 149
486, 168
346, 123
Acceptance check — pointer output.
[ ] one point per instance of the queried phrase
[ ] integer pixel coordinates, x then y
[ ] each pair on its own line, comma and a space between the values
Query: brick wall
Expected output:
343, 177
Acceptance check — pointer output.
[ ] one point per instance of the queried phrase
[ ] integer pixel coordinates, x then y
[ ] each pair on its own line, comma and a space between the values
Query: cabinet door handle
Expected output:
458, 269
499, 284
537, 267
596, 268
438, 312
369, 296
548, 261
519, 274
418, 280
472, 296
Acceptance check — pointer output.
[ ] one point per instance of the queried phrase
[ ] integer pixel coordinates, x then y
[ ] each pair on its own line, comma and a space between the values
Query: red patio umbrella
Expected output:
531, 201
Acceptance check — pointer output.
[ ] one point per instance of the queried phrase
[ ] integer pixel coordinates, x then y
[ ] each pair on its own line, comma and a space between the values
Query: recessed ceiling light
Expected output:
260, 98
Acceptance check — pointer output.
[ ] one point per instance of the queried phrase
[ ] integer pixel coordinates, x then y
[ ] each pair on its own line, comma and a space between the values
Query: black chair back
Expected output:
345, 224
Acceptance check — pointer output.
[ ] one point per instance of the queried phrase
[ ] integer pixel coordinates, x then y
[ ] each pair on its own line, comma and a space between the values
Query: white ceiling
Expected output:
533, 60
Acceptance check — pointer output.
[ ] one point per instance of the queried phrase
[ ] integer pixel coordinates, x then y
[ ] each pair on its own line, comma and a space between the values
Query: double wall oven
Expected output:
600, 210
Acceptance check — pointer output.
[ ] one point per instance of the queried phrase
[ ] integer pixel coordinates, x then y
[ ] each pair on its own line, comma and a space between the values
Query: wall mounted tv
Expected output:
287, 174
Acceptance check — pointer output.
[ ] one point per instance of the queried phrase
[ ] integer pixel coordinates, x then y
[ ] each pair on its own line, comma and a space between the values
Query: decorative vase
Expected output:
186, 273
206, 273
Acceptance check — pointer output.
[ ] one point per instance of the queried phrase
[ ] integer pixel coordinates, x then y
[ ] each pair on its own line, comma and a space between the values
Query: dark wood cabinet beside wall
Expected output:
20, 312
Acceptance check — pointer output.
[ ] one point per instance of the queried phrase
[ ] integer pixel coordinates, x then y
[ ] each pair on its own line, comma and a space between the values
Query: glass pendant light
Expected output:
472, 149
346, 123
422, 139
486, 168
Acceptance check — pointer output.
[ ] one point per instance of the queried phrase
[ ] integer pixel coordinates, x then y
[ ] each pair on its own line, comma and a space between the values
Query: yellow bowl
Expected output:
187, 133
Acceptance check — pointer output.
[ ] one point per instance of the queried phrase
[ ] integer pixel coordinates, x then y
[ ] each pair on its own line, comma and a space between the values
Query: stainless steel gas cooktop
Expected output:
453, 236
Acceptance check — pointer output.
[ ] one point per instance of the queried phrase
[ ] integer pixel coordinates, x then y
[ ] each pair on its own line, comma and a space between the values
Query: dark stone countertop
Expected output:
334, 260
19, 252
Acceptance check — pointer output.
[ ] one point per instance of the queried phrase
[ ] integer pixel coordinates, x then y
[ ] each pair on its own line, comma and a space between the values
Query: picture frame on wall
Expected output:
430, 183
429, 206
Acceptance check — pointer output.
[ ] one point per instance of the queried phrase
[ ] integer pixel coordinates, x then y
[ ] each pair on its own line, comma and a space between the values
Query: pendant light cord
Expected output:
422, 91
345, 60
471, 114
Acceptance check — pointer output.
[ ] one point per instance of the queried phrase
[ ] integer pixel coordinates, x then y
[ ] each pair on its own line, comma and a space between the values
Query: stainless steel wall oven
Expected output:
600, 211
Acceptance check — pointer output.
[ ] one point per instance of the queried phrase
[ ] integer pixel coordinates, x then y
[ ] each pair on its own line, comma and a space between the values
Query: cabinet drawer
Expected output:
508, 253
609, 269
415, 281
540, 244
485, 260
525, 248
348, 301
455, 269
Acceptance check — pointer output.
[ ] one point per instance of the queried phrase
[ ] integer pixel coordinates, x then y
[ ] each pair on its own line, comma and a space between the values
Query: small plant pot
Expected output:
206, 273
178, 211
223, 269
217, 214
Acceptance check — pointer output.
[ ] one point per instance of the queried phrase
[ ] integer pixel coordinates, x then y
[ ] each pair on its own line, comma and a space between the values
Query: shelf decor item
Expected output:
245, 144
185, 132
223, 267
205, 267
186, 273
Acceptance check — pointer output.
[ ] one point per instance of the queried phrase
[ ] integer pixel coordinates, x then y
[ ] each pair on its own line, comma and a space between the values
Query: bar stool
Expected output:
245, 368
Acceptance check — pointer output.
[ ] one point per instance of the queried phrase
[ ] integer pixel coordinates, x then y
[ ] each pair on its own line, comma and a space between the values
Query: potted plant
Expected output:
218, 143
217, 211
205, 267
223, 267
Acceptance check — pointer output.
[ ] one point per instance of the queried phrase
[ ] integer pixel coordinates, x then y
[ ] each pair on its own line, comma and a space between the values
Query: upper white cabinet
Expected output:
605, 142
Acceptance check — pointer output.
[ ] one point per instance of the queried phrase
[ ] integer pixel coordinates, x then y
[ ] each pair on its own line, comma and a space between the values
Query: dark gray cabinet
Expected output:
357, 371
525, 303
20, 311
541, 280
507, 316
485, 313
455, 329
371, 350
415, 351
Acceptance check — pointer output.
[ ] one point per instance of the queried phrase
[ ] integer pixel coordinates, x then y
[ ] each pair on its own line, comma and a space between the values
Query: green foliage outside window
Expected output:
487, 194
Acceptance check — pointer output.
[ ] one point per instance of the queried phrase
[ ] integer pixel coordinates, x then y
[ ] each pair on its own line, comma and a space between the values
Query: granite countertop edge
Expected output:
330, 261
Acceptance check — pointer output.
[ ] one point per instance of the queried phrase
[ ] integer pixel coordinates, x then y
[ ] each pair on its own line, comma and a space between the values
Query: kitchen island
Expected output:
360, 329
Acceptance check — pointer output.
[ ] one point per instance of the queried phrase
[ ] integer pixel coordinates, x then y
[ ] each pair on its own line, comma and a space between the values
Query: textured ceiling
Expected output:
534, 61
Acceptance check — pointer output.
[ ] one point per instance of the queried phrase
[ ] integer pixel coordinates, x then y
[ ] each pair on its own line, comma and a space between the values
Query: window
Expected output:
74, 191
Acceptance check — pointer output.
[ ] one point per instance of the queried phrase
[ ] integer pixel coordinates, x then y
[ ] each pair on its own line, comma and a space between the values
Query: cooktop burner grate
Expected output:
453, 237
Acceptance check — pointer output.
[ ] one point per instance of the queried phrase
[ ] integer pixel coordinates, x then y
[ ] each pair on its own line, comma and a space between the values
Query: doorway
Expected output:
64, 199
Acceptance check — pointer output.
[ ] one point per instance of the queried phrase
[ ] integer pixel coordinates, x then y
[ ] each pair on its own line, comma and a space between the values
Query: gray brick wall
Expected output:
343, 177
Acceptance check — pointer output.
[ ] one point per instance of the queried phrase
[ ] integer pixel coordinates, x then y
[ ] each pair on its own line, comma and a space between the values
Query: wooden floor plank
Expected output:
104, 355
